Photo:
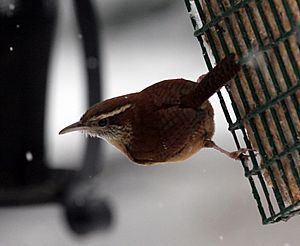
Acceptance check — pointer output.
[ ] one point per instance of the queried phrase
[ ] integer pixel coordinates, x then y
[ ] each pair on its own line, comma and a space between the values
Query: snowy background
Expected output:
203, 201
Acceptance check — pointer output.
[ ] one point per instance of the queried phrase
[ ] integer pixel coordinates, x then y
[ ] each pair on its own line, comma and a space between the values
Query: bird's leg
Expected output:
234, 154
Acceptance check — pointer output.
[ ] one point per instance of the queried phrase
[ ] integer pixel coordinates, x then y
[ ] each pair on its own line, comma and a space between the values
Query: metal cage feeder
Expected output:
265, 97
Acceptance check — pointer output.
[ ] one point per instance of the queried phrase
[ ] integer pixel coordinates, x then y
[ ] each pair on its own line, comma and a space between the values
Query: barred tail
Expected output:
224, 71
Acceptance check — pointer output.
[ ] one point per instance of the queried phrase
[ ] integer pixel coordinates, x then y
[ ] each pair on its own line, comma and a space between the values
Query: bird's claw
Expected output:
240, 154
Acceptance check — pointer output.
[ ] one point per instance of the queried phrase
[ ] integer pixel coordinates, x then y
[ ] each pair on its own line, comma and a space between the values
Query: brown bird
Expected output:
166, 122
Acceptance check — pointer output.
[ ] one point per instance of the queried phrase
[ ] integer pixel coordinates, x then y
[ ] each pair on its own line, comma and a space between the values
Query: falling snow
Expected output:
221, 237
8, 7
11, 6
11, 48
29, 156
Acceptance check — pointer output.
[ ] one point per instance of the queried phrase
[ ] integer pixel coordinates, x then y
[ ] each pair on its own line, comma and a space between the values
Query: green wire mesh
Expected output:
265, 35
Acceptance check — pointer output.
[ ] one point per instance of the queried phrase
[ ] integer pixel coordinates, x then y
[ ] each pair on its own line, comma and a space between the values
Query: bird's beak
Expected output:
78, 126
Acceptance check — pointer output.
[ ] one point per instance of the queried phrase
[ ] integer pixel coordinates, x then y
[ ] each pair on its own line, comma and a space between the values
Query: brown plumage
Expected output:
166, 122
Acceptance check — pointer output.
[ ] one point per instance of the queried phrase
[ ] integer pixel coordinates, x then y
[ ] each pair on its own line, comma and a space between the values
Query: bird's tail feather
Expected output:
224, 71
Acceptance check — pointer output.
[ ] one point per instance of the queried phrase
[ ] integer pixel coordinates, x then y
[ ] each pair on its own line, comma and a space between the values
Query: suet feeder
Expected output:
265, 97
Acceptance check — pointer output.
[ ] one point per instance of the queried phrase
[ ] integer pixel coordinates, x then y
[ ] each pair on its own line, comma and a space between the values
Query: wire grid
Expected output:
265, 35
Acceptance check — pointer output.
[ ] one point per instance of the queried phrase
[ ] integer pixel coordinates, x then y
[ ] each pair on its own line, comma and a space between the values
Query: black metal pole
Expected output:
26, 34
85, 212
89, 27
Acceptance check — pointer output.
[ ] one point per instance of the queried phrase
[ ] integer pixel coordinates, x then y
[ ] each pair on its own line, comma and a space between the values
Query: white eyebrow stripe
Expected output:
112, 113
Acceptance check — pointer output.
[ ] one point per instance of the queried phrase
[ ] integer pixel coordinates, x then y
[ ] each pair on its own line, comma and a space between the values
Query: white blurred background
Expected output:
203, 201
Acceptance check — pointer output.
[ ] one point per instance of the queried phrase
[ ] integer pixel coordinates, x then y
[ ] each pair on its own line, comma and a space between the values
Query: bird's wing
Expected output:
165, 136
168, 93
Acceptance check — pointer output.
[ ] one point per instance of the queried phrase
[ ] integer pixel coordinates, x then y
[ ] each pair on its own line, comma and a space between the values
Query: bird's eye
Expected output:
103, 122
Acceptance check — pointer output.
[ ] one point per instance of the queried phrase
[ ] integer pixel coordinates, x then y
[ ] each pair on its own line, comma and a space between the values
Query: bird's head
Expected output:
110, 120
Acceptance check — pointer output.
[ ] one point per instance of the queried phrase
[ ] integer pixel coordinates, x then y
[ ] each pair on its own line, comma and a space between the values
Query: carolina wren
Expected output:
166, 122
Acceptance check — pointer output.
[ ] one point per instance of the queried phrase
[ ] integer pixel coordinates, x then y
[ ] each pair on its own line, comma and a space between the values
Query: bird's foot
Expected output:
239, 154
236, 155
